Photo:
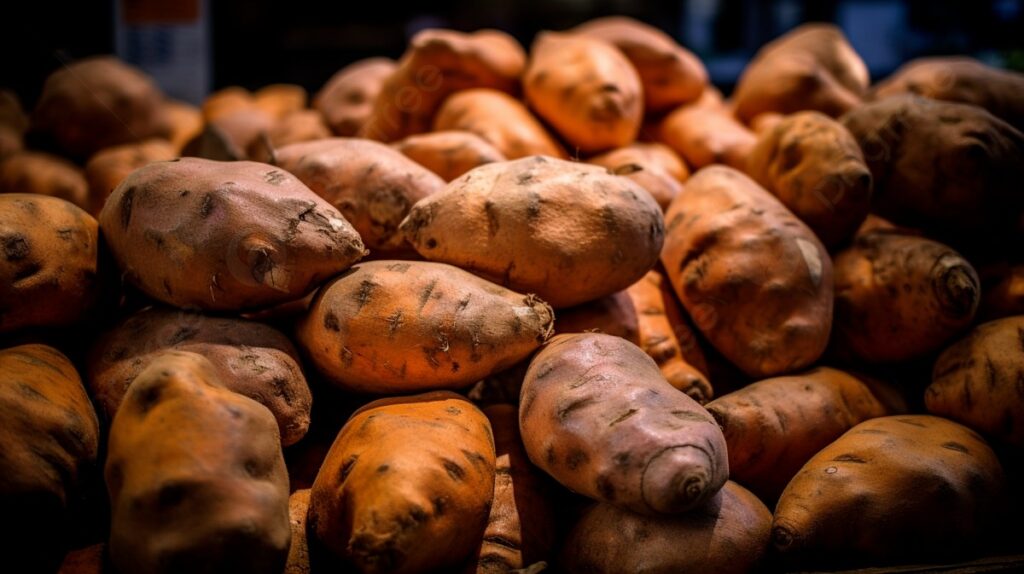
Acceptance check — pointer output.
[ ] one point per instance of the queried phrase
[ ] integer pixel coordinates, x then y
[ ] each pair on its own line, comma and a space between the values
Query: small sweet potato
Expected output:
224, 235
891, 488
196, 477
979, 381
108, 167
899, 297
296, 127
240, 130
280, 100
185, 122
48, 449
48, 264
612, 314
568, 232
44, 174
449, 154
499, 119
597, 415
704, 134
298, 553
755, 280
407, 485
654, 166
226, 101
812, 67
346, 100
670, 74
400, 326
729, 534
585, 89
816, 169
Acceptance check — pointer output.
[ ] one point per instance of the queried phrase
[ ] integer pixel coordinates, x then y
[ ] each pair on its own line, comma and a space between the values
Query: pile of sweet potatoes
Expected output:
561, 307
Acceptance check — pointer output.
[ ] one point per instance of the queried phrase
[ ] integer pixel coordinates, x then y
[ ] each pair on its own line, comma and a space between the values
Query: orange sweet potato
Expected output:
44, 174
449, 154
185, 121
1002, 294
654, 166
298, 552
296, 127
346, 100
704, 134
612, 314
501, 120
280, 100
108, 167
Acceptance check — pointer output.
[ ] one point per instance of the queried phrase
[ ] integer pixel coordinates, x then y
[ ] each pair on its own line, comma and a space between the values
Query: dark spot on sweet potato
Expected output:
383, 469
622, 417
575, 458
27, 271
16, 247
172, 494
492, 217
29, 392
66, 233
501, 541
476, 459
605, 487
126, 207
568, 409
454, 470
426, 293
147, 397
331, 322
849, 458
910, 422
418, 515
398, 267
394, 323
206, 207
952, 445
440, 504
274, 177
550, 456
431, 243
348, 465
690, 416
365, 293
346, 356
182, 334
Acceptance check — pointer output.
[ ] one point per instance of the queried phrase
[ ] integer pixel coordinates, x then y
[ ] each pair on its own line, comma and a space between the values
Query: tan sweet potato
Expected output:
185, 121
48, 449
891, 488
280, 100
44, 174
900, 297
568, 232
48, 268
704, 134
401, 326
298, 552
108, 167
812, 67
670, 74
654, 166
240, 130
250, 358
755, 280
437, 64
407, 485
347, 99
196, 477
450, 153
727, 535
296, 127
597, 415
372, 185
499, 119
979, 382
585, 89
816, 169
612, 314
224, 235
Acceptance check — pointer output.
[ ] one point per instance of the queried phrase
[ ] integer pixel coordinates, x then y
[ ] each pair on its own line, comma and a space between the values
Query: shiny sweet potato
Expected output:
499, 119
346, 100
449, 154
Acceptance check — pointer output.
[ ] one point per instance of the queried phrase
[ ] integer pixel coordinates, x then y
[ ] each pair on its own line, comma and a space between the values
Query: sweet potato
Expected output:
44, 174
48, 268
407, 485
224, 235
812, 67
400, 326
612, 314
755, 280
891, 488
585, 89
346, 100
727, 535
88, 560
449, 154
1002, 294
670, 74
816, 169
776, 425
108, 167
96, 103
227, 101
704, 134
979, 381
185, 122
240, 130
48, 448
13, 124
960, 79
298, 553
499, 119
196, 477
653, 165
296, 127
568, 232
280, 100
250, 358
437, 64
900, 297
950, 169
597, 415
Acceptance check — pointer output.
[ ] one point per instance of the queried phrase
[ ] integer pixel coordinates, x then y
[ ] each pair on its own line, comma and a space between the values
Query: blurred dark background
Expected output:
195, 46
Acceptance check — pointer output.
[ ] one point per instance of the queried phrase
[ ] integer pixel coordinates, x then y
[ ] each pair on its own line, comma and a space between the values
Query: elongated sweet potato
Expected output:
44, 174
891, 488
585, 89
704, 134
48, 266
372, 185
449, 154
598, 416
224, 235
816, 169
812, 67
776, 425
653, 165
407, 485
109, 167
298, 553
568, 232
250, 358
979, 381
729, 534
755, 280
346, 100
501, 120
612, 314
400, 326
48, 448
670, 74
196, 477
899, 297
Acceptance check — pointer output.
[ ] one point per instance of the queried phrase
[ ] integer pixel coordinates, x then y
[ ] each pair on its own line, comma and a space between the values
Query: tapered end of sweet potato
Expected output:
678, 479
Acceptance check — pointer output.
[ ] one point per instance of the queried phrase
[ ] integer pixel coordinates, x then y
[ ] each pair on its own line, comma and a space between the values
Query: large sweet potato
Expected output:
347, 99
450, 153
501, 120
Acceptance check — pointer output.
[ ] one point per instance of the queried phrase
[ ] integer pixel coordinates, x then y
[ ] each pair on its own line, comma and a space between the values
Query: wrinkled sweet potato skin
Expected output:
654, 166
705, 134
44, 174
501, 120
298, 552
755, 280
612, 314
407, 485
108, 167
449, 154
346, 100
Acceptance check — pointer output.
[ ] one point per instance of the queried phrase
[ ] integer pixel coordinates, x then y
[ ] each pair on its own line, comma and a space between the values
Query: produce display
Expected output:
558, 306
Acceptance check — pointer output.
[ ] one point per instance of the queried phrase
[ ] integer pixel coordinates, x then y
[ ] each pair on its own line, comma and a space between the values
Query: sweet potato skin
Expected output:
407, 485
296, 127
185, 121
400, 326
346, 100
705, 134
44, 174
767, 318
224, 235
298, 553
652, 165
501, 120
108, 167
612, 314
596, 414
568, 232
449, 154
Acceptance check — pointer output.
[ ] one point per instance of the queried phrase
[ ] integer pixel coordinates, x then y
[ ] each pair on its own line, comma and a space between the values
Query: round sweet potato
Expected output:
654, 166
44, 174
110, 166
449, 154
499, 119
346, 100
